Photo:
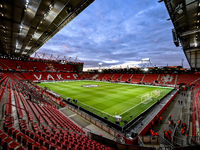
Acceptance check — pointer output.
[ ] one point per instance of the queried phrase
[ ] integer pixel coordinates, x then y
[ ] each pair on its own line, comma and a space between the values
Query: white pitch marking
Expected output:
97, 109
129, 109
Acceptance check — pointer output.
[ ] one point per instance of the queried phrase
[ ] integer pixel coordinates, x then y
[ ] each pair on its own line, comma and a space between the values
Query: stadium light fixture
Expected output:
50, 6
99, 70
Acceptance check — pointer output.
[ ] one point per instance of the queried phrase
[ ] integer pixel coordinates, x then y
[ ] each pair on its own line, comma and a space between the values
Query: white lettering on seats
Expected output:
59, 76
39, 78
75, 76
49, 76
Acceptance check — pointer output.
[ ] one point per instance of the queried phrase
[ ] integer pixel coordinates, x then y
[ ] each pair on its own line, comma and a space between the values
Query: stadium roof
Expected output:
185, 16
25, 25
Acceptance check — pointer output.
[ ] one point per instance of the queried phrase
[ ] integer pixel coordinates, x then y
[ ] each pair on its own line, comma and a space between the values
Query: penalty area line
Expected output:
97, 109
129, 109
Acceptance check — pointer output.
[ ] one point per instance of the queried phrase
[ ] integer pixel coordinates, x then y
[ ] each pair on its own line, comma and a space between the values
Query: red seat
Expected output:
46, 143
80, 148
21, 148
19, 136
42, 148
6, 141
1, 131
23, 130
6, 127
53, 140
28, 132
11, 130
2, 136
41, 140
24, 140
15, 133
48, 137
54, 147
13, 145
35, 146
32, 135
43, 134
37, 137
30, 143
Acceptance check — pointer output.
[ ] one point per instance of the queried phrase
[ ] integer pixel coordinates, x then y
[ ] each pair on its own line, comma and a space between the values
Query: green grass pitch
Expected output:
109, 99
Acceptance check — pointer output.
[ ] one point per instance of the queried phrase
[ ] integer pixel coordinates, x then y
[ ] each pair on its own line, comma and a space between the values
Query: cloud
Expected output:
118, 34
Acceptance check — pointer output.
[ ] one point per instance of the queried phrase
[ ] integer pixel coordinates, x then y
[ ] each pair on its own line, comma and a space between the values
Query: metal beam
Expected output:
190, 32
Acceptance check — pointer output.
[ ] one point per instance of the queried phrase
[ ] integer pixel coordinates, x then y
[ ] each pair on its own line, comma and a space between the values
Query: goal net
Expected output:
145, 99
155, 94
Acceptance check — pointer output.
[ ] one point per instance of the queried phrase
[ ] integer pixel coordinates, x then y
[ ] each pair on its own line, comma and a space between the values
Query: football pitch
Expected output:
108, 99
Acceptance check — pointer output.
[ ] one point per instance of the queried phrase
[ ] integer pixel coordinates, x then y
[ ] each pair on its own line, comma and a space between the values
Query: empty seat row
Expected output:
17, 65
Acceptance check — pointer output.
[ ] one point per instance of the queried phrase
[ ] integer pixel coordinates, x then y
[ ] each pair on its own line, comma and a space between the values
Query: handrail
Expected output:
16, 107
167, 141
140, 141
87, 129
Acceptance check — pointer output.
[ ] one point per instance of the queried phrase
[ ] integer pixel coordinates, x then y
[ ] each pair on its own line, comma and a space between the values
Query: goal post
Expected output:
145, 99
155, 94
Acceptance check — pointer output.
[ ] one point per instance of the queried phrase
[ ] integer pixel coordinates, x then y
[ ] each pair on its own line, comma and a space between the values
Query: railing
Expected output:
88, 130
140, 142
16, 107
193, 140
179, 141
166, 143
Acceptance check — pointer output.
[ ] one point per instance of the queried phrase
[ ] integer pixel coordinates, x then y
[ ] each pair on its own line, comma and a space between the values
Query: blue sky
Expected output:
118, 33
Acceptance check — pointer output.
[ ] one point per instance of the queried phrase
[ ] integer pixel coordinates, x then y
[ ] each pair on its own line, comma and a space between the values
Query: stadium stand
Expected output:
101, 76
116, 77
40, 125
59, 66
108, 77
39, 66
167, 79
20, 65
126, 77
50, 136
187, 79
88, 76
150, 78
27, 75
137, 78
29, 65
8, 64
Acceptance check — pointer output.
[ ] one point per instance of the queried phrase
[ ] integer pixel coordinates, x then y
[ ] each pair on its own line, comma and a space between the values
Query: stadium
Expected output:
53, 102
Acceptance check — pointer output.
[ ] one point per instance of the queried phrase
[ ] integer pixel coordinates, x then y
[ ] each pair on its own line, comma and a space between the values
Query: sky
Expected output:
118, 34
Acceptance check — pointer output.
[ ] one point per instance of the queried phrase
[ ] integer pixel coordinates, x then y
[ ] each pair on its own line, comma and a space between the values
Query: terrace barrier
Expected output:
117, 145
